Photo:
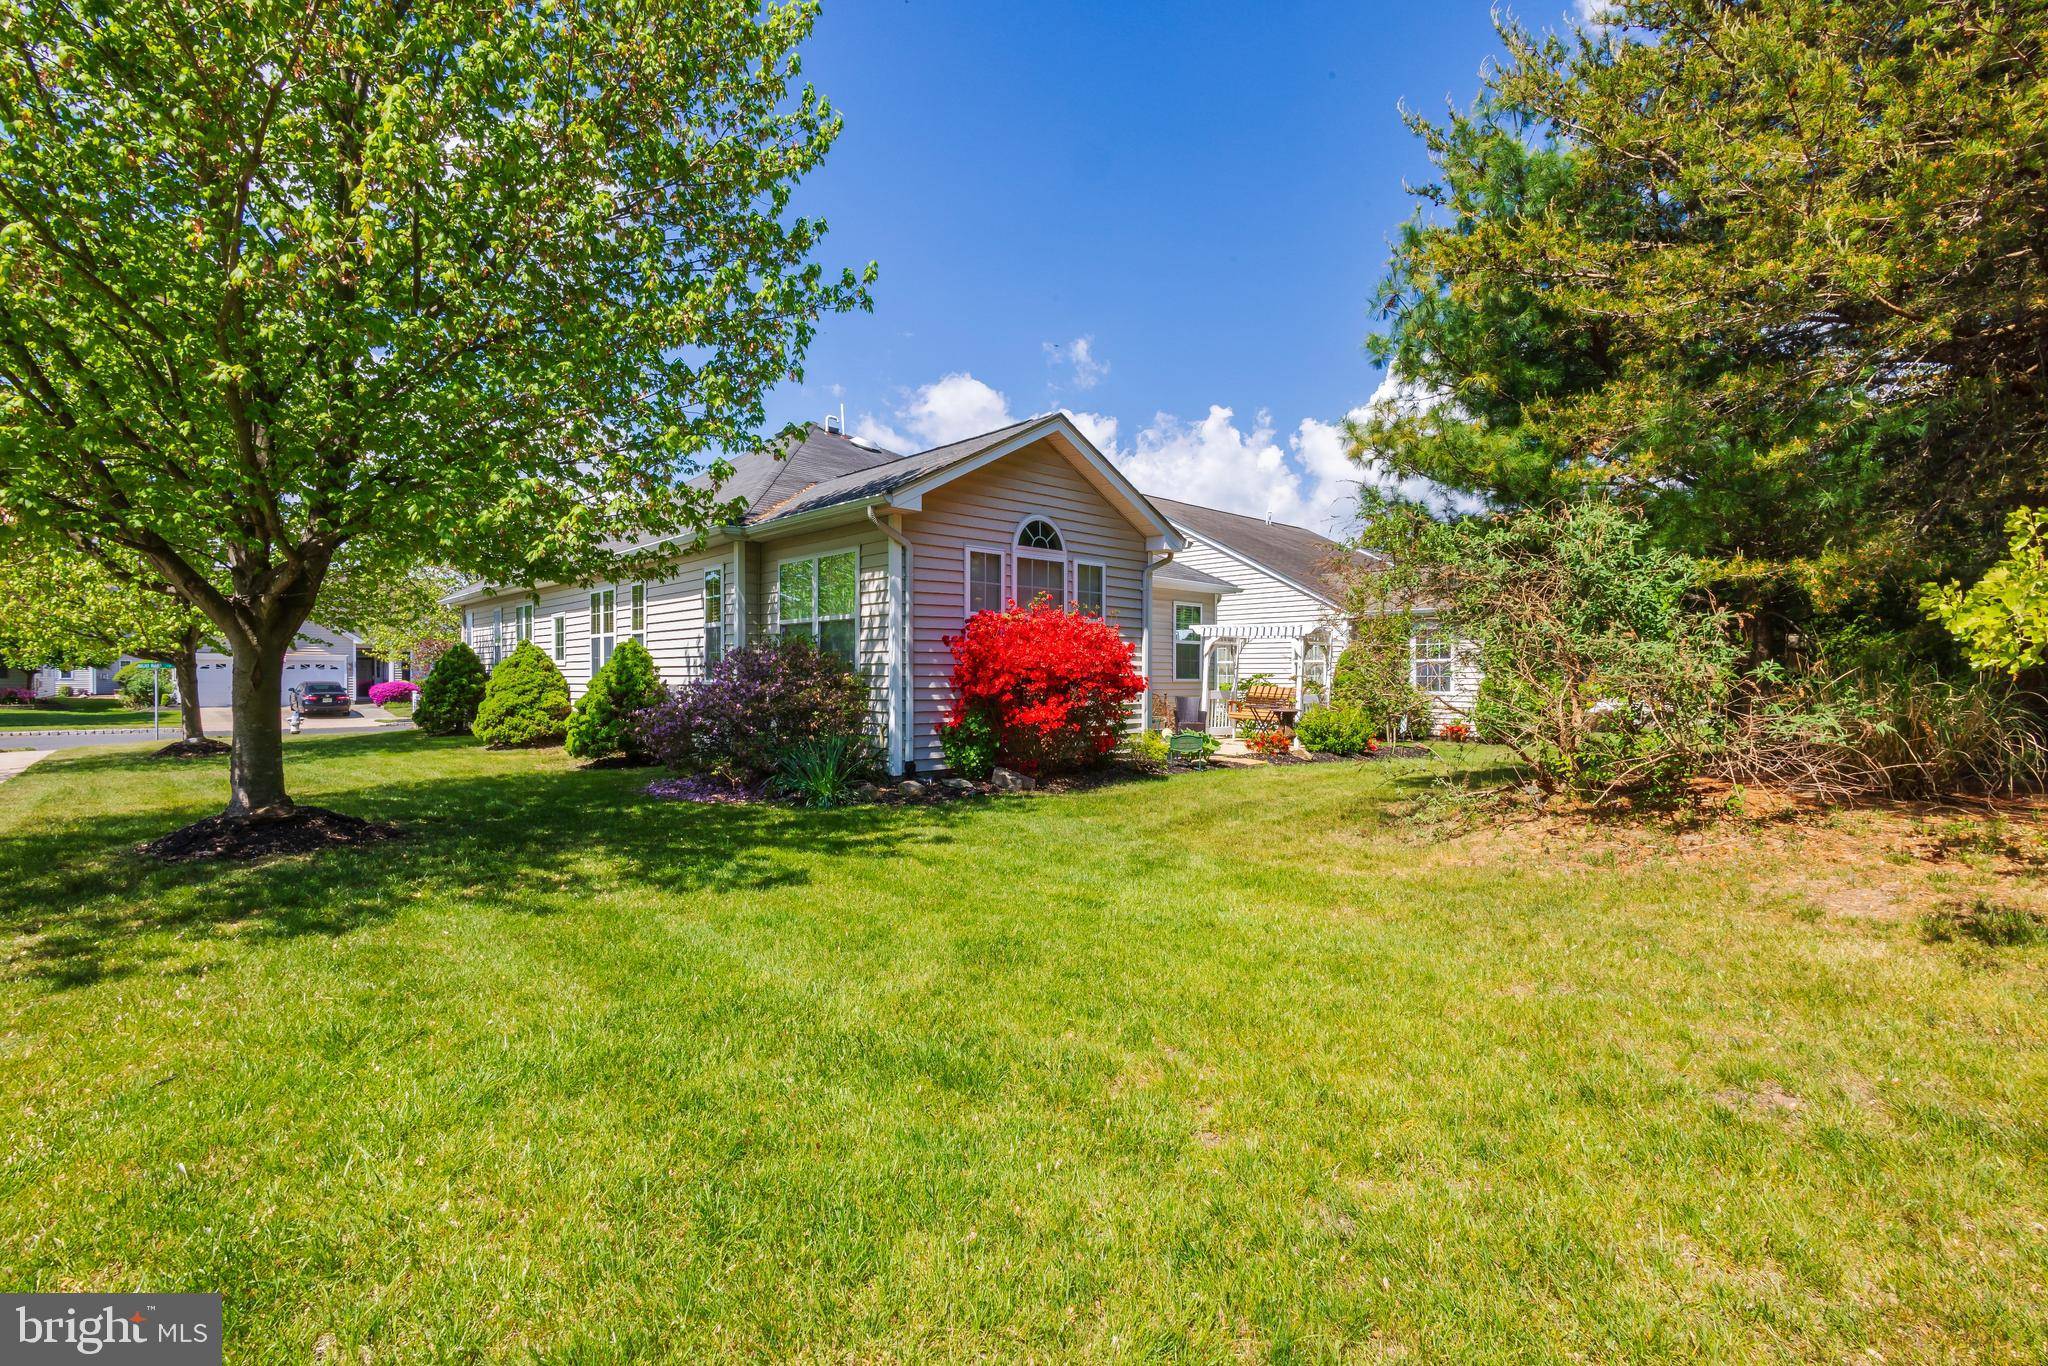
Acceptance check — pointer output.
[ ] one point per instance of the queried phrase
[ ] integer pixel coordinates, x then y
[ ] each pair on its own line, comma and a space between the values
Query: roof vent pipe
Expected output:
836, 424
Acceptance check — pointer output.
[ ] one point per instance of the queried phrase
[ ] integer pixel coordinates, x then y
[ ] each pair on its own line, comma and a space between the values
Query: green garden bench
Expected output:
1191, 745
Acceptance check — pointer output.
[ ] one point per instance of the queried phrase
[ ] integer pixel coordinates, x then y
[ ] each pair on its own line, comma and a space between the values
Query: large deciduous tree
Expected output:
61, 610
1774, 272
456, 282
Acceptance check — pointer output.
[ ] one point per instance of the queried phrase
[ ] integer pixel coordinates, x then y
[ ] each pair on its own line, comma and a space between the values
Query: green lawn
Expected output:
1230, 1065
399, 708
80, 713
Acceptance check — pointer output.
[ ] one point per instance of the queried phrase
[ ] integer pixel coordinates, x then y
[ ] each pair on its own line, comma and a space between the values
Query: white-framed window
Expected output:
984, 581
1315, 666
818, 597
469, 635
497, 635
561, 638
522, 623
1223, 666
1091, 587
1429, 653
636, 614
1187, 642
714, 614
1041, 562
604, 627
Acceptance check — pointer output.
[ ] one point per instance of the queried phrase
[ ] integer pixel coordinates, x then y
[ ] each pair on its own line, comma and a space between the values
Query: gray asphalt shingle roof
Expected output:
1293, 552
882, 473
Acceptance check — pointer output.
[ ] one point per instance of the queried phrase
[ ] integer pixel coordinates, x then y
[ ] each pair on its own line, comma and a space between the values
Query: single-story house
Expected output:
1284, 618
879, 557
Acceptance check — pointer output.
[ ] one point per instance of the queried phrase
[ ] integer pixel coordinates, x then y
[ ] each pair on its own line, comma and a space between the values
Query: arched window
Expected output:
1041, 563
1039, 534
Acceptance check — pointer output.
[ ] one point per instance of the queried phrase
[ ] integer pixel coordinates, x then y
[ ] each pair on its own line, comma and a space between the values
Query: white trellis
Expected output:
1312, 658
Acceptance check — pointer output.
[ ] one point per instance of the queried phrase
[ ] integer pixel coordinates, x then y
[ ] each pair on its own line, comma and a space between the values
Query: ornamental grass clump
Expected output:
1054, 685
452, 693
753, 707
526, 702
601, 726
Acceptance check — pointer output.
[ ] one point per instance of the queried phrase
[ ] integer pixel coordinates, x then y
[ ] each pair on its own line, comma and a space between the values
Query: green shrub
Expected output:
970, 746
1146, 750
133, 683
601, 724
1340, 729
751, 707
66, 690
451, 694
822, 772
526, 702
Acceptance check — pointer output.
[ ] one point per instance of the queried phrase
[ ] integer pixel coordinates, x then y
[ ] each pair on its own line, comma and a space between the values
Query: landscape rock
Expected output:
959, 787
867, 792
1009, 780
911, 787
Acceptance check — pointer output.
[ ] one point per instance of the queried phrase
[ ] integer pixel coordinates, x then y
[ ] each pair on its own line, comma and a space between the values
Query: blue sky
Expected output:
1168, 219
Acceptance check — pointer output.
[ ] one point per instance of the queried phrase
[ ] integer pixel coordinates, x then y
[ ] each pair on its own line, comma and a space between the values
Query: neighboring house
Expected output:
879, 557
876, 556
83, 682
318, 652
1285, 618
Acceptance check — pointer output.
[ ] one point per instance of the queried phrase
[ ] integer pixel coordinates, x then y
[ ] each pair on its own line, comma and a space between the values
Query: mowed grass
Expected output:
80, 713
1232, 1065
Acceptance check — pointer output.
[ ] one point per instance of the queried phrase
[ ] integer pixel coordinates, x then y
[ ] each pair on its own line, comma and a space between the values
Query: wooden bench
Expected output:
1266, 704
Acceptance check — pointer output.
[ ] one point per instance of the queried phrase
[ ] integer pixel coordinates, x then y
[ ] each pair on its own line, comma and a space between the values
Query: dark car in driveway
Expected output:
323, 698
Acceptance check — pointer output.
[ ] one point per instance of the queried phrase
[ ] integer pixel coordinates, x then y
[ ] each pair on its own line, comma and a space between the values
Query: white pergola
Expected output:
1303, 635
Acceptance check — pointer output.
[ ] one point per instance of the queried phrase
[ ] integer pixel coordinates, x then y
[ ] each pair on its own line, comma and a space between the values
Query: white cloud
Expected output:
1305, 476
1079, 356
947, 409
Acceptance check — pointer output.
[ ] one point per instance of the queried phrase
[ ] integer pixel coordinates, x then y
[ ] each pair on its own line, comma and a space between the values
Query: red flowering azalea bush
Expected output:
1053, 686
1456, 731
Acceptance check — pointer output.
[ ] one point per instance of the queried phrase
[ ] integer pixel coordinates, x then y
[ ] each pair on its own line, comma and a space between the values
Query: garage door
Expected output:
217, 674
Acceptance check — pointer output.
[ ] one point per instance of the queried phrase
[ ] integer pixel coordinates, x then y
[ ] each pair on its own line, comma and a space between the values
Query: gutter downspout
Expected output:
1145, 717
900, 690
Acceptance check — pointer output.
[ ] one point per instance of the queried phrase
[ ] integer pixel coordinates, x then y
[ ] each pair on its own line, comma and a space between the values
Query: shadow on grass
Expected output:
84, 907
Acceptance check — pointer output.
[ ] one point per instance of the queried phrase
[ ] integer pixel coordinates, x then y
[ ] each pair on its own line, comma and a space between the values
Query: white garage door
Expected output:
217, 674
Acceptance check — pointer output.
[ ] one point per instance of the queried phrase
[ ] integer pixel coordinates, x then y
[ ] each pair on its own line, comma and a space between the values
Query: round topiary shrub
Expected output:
452, 693
526, 702
601, 725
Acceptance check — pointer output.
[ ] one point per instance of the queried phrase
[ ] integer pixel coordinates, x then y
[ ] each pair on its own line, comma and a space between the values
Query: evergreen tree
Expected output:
452, 693
601, 724
525, 703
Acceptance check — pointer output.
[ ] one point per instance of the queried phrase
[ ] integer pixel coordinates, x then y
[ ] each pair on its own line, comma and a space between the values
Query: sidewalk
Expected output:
13, 761
218, 721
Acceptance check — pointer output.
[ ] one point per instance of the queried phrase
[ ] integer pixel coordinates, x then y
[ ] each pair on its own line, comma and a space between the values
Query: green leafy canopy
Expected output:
458, 283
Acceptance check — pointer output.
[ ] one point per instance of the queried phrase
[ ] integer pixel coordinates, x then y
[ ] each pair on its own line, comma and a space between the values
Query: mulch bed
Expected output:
306, 830
192, 749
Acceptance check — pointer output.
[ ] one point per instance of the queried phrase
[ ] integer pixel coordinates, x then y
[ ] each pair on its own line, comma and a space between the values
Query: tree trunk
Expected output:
185, 664
256, 764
